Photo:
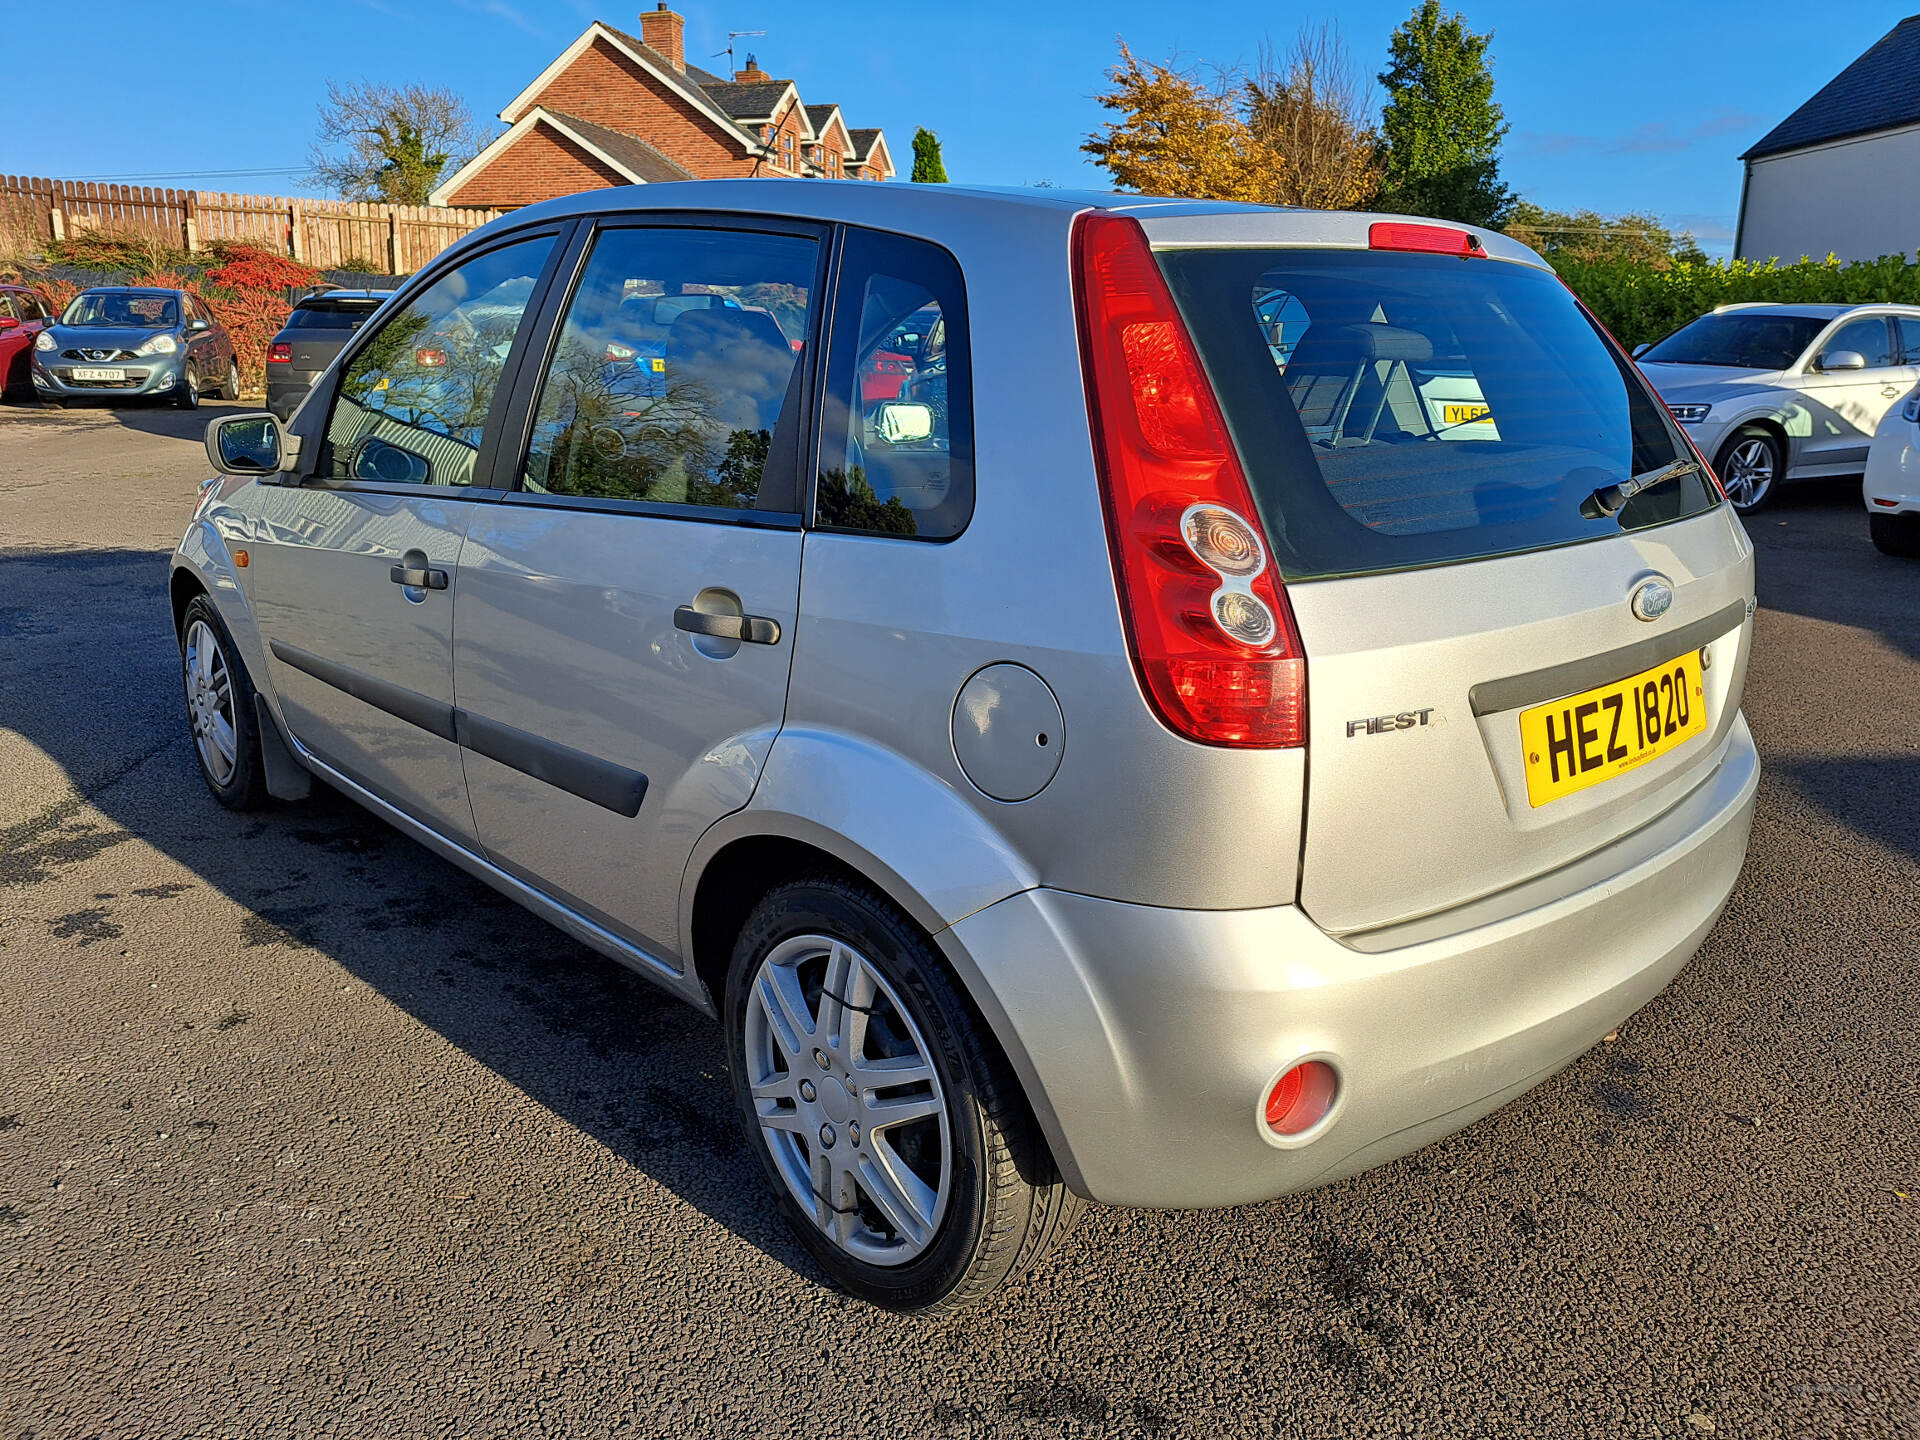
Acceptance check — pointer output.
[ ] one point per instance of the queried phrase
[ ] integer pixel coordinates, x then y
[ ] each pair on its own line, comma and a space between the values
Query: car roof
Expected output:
128, 290
320, 295
1812, 312
938, 211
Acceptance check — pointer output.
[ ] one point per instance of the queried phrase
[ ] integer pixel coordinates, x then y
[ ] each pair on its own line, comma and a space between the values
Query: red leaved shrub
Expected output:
247, 290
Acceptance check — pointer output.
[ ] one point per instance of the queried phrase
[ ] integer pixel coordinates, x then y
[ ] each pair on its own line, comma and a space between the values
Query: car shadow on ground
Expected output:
1854, 584
600, 1048
149, 417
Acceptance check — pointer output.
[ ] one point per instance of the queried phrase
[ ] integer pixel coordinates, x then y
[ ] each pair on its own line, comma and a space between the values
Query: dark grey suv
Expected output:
318, 329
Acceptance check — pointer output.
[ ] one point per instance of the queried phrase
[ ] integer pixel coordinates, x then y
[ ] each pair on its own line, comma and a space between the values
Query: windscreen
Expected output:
125, 309
1394, 410
1745, 342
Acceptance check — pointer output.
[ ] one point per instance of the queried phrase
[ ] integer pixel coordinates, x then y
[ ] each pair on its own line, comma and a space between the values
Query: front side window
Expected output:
1867, 337
676, 377
413, 403
896, 451
1395, 410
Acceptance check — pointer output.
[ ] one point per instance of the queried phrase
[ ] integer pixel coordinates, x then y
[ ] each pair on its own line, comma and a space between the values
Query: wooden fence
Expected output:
395, 239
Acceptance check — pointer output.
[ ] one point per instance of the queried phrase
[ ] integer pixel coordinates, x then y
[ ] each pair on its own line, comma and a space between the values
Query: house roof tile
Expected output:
747, 100
1879, 91
632, 153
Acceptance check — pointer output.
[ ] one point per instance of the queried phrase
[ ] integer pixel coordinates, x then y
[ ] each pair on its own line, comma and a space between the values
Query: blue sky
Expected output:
1629, 106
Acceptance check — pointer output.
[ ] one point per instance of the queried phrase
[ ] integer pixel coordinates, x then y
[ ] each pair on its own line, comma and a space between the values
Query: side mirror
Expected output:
1641, 349
1843, 360
196, 325
249, 444
900, 422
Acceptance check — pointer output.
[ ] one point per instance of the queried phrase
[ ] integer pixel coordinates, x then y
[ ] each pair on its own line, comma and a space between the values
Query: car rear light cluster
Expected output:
1213, 638
280, 353
429, 359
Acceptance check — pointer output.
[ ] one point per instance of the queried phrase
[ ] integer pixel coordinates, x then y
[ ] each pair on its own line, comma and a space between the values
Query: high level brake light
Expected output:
1422, 239
1213, 638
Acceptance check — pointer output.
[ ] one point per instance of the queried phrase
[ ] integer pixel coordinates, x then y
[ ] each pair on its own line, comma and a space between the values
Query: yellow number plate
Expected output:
1584, 739
1463, 414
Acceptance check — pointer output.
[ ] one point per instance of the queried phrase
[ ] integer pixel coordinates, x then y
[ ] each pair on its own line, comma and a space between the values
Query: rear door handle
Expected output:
420, 577
754, 629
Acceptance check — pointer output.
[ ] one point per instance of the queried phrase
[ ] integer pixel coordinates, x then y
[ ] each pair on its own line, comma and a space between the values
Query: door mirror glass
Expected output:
899, 422
245, 444
1843, 360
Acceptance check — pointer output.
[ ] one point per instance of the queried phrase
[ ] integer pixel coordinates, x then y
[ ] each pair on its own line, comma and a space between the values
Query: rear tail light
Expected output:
1213, 638
1424, 239
429, 359
1301, 1098
280, 353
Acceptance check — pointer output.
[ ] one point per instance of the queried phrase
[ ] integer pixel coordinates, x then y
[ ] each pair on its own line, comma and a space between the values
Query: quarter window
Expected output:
1868, 337
413, 404
896, 454
676, 378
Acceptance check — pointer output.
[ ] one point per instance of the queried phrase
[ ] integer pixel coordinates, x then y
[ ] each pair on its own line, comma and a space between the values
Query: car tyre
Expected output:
220, 711
1897, 535
187, 397
231, 389
923, 1214
1751, 466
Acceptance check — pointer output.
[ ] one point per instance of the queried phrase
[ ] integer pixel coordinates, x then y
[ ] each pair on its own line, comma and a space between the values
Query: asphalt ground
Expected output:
303, 1133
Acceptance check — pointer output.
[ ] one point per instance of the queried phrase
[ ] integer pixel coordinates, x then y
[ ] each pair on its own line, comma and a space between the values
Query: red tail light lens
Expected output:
1424, 239
429, 359
1213, 638
1301, 1098
280, 353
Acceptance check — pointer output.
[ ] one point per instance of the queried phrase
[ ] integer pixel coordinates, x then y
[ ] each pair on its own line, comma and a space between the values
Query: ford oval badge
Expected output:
1652, 599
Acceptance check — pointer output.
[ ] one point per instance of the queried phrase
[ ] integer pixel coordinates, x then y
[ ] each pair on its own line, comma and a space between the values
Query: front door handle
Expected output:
420, 577
1893, 392
754, 629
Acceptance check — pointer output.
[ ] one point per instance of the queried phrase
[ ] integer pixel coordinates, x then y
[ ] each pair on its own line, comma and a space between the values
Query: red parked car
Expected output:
23, 315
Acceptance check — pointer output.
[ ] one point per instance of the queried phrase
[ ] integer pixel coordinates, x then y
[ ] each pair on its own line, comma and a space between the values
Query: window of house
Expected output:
676, 379
413, 403
896, 452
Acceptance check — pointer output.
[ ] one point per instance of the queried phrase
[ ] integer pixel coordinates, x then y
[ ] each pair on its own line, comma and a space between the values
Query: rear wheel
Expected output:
220, 709
1750, 466
1896, 535
892, 1132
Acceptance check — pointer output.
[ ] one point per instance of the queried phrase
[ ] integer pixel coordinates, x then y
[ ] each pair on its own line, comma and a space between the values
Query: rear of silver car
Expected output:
1440, 771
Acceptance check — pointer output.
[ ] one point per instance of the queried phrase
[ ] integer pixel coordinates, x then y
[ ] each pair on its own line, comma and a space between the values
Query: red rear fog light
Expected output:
1301, 1097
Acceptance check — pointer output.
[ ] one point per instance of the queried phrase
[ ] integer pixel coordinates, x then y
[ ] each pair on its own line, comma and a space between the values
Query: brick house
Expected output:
616, 109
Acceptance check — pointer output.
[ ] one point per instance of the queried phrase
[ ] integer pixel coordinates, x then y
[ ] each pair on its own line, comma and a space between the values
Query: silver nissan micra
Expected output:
1105, 698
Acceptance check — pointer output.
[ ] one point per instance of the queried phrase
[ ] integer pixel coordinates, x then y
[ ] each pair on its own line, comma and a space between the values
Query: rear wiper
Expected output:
1612, 499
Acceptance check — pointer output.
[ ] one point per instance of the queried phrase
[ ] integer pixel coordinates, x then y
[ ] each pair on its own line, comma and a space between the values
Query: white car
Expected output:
1891, 486
1785, 392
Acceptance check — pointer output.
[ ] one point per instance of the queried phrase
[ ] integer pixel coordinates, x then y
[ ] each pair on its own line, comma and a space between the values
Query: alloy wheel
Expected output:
848, 1099
1749, 472
210, 702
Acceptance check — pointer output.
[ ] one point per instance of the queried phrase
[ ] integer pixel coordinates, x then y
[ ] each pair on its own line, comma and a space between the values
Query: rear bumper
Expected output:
1147, 1037
1891, 485
284, 396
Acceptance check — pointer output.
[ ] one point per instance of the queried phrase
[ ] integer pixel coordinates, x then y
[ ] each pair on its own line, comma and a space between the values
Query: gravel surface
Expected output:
304, 1133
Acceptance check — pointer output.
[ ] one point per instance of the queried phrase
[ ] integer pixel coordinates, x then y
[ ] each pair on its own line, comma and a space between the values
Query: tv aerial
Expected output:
733, 35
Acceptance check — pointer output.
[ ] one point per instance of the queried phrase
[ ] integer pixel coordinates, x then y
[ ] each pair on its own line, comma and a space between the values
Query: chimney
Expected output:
753, 74
664, 32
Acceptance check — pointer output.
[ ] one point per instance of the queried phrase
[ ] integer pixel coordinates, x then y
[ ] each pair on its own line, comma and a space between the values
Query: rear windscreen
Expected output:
336, 316
1395, 410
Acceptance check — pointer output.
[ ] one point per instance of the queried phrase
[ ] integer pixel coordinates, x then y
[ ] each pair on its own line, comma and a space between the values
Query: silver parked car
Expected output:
1157, 702
1772, 393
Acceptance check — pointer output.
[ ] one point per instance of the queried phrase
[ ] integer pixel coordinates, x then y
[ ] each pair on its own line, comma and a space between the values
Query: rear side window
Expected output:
677, 377
1395, 410
896, 445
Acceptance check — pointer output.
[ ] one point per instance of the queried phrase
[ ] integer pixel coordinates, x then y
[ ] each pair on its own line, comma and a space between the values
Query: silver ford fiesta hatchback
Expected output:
1104, 698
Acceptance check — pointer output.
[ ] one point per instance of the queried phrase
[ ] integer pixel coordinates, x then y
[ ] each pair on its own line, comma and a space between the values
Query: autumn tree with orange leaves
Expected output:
1291, 133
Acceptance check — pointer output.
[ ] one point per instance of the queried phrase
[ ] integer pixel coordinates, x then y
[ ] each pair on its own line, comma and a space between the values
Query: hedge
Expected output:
1640, 304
